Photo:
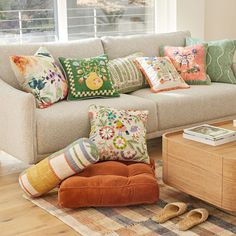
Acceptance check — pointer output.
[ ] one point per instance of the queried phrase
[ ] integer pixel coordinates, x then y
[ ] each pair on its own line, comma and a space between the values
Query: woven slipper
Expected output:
170, 211
194, 217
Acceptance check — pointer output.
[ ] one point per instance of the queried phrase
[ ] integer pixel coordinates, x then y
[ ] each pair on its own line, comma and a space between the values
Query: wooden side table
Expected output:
200, 170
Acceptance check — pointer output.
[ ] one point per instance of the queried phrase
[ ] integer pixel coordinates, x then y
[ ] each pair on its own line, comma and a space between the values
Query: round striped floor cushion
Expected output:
47, 174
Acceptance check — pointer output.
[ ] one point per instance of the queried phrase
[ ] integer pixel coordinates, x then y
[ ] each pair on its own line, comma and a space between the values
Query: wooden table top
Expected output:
227, 150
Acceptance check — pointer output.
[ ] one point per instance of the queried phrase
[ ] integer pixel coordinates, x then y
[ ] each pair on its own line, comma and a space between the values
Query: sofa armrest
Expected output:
17, 123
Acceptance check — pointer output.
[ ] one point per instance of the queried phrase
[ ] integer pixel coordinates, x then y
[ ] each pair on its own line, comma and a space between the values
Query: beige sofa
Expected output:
30, 134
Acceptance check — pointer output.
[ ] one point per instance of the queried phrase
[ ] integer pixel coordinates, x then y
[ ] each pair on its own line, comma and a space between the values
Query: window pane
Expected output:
36, 20
27, 21
96, 18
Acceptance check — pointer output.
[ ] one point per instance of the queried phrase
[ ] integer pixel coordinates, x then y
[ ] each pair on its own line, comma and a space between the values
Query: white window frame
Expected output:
61, 19
166, 16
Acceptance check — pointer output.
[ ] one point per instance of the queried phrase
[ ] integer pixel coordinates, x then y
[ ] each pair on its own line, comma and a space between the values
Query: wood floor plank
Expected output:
56, 229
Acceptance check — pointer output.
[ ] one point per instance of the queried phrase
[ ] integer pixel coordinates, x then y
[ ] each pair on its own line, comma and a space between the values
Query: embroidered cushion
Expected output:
219, 59
47, 174
189, 61
160, 73
110, 183
119, 134
40, 76
125, 75
88, 78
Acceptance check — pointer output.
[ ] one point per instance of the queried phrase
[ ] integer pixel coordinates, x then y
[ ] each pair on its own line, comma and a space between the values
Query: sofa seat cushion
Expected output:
188, 106
65, 122
110, 183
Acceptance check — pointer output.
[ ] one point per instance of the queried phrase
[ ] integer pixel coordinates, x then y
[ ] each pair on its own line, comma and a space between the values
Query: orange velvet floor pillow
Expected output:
110, 183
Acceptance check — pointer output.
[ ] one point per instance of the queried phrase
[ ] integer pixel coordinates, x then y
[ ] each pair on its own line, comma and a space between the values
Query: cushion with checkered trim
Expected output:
88, 78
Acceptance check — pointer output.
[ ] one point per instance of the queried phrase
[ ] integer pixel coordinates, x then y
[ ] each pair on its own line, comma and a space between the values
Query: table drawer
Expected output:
193, 180
200, 158
229, 194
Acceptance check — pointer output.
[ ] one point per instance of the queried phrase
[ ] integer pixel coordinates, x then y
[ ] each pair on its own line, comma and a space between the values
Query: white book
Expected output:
209, 141
210, 132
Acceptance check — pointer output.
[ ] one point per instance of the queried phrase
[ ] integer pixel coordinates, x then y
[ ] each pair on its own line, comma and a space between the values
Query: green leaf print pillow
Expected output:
88, 78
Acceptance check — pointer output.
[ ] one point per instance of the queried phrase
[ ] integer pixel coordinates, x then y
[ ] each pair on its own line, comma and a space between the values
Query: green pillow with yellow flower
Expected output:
88, 77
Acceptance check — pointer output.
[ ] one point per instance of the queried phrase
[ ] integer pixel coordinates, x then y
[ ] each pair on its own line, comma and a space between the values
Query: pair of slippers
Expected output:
171, 210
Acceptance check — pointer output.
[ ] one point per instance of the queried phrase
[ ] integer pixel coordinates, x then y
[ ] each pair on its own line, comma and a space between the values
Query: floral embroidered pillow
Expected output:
40, 76
88, 77
190, 62
160, 73
119, 134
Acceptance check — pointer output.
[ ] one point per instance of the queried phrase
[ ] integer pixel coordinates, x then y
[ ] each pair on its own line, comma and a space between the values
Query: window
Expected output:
50, 20
89, 18
23, 21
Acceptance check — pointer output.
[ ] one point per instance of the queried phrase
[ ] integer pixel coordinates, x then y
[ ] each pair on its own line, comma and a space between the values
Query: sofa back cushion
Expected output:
121, 46
76, 49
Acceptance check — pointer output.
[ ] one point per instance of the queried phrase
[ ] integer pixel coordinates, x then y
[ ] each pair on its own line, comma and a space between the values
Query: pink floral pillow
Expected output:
189, 61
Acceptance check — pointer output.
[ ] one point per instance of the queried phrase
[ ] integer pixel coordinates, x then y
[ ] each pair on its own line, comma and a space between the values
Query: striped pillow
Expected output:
125, 75
47, 174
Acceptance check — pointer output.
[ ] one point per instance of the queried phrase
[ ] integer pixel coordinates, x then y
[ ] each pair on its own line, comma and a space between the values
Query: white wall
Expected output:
177, 15
191, 16
220, 19
207, 19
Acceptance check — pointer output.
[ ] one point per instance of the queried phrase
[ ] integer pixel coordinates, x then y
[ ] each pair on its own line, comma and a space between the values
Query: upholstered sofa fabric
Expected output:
30, 134
110, 183
76, 49
64, 122
121, 46
17, 123
197, 104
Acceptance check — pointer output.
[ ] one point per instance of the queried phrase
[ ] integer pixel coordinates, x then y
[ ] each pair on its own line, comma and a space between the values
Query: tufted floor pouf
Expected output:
110, 183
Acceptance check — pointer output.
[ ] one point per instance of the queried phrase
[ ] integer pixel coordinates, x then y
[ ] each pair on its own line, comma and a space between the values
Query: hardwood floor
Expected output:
19, 216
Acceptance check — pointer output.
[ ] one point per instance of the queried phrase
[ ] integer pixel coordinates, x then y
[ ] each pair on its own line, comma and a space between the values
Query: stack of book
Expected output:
209, 134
